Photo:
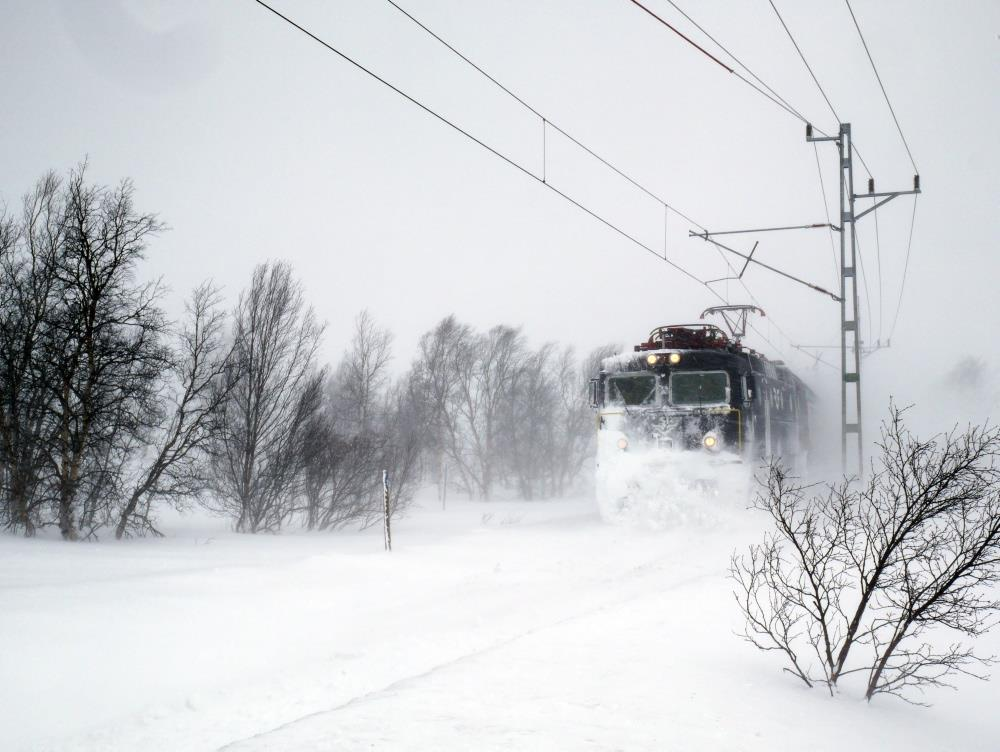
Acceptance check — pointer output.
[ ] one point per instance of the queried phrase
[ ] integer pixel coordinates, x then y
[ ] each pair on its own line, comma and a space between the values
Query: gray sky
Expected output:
252, 142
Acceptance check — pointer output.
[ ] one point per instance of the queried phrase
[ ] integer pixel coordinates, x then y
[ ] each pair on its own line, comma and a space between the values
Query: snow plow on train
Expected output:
690, 413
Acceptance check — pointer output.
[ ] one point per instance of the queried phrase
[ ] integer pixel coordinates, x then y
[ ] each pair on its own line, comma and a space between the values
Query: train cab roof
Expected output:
701, 346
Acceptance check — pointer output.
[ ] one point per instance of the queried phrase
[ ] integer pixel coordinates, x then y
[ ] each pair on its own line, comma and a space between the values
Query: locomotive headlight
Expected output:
651, 359
711, 441
623, 443
674, 358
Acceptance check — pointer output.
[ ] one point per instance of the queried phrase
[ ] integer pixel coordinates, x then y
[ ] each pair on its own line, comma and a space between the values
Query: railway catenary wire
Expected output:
881, 85
770, 93
878, 261
776, 98
517, 165
819, 86
605, 162
916, 170
906, 267
548, 123
826, 209
784, 104
806, 62
864, 275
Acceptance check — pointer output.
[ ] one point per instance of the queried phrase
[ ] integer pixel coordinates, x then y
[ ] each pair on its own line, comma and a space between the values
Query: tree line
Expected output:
109, 410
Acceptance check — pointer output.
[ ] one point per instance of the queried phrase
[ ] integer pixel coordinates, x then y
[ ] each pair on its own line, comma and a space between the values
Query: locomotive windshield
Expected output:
699, 388
632, 389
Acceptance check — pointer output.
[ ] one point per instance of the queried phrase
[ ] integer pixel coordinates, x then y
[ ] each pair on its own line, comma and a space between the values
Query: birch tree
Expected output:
274, 391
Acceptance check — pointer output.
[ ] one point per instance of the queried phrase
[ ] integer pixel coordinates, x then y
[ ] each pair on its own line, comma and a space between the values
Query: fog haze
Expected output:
253, 142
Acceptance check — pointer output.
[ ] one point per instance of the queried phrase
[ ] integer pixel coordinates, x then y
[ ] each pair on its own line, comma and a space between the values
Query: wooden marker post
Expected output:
385, 510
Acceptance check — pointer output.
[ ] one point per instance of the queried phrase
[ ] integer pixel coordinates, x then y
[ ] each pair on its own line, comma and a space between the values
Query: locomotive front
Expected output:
679, 411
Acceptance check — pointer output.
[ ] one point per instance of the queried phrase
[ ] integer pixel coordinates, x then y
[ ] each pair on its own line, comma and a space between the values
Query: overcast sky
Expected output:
252, 142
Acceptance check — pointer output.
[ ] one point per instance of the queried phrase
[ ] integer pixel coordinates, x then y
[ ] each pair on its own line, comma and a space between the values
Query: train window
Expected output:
699, 388
632, 389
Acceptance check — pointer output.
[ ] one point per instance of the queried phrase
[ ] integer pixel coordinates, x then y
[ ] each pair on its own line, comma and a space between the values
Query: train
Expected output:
693, 403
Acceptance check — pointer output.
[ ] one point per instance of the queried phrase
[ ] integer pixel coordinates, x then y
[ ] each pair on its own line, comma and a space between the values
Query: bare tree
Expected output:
528, 422
435, 379
29, 250
487, 368
175, 467
500, 413
338, 472
274, 394
402, 447
362, 377
576, 436
872, 568
105, 350
367, 426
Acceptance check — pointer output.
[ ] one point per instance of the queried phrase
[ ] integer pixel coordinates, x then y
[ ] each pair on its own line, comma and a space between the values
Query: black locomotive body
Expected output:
689, 388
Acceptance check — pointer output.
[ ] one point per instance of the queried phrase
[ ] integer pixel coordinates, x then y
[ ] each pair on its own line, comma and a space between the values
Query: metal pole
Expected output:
845, 130
850, 318
850, 310
385, 511
857, 307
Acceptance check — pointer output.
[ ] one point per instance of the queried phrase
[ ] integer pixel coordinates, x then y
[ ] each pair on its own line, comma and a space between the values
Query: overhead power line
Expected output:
770, 93
882, 86
478, 141
683, 36
518, 166
546, 121
502, 156
878, 261
826, 209
808, 67
763, 88
906, 268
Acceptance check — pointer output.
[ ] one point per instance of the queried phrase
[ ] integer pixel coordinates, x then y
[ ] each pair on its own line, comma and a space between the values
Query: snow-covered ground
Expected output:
504, 625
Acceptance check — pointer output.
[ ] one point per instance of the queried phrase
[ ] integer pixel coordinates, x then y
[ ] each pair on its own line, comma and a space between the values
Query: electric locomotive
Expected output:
694, 401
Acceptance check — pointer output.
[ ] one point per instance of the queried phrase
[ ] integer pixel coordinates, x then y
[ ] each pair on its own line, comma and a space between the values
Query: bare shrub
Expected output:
859, 579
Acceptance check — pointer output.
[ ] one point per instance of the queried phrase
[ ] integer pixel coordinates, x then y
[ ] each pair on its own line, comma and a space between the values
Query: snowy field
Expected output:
492, 626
